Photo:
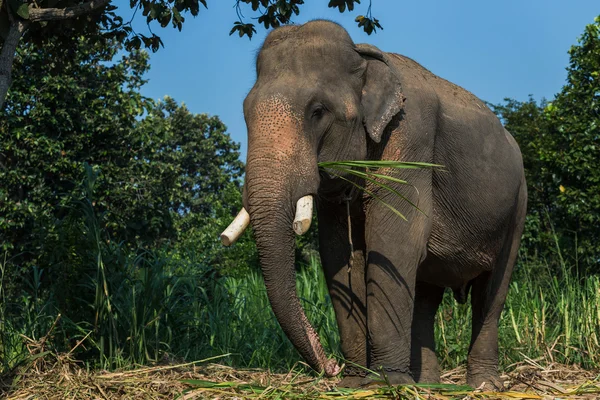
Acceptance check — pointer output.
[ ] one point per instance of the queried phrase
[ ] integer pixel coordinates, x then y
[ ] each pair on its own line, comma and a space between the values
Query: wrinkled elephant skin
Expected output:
320, 97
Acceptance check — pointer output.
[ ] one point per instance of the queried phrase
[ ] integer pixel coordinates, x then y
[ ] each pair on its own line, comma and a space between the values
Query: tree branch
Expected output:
53, 14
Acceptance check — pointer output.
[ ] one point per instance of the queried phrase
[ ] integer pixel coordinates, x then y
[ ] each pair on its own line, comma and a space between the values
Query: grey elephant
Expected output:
320, 97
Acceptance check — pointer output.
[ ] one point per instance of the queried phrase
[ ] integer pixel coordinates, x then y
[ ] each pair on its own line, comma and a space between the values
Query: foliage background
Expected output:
560, 142
111, 205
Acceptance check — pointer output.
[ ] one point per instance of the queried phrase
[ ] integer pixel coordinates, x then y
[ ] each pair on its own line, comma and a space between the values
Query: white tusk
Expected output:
236, 228
304, 209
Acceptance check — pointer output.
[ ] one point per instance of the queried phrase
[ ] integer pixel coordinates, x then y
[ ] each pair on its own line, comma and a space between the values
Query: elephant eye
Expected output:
318, 111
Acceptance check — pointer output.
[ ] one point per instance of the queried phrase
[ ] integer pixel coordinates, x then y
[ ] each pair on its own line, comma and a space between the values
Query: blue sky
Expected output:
509, 48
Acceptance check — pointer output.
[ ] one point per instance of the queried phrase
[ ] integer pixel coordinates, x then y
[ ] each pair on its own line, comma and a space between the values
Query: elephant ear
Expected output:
382, 96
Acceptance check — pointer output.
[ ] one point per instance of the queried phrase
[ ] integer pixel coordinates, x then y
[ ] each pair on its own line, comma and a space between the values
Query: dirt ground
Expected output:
61, 379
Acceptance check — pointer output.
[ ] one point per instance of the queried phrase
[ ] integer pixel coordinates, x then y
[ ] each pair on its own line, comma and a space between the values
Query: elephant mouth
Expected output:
338, 189
324, 174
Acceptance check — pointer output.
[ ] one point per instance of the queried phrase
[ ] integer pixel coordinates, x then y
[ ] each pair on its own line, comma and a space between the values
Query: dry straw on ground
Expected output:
57, 377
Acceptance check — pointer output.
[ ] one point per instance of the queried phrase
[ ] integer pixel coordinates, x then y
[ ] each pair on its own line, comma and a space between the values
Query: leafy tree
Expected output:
49, 20
560, 143
59, 114
155, 172
274, 13
179, 164
527, 123
98, 187
194, 153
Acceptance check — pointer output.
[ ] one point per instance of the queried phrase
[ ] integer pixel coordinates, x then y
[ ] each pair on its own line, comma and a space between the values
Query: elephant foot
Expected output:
351, 381
427, 376
485, 381
353, 377
391, 377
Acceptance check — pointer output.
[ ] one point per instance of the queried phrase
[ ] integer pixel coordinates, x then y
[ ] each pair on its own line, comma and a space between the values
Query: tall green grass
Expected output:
551, 312
122, 307
155, 307
166, 307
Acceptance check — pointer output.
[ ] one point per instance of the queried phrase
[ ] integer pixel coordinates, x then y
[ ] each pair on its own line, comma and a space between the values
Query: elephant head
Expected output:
317, 97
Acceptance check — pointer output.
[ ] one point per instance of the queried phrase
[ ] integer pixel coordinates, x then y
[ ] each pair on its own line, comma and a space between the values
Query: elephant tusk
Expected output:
236, 228
304, 209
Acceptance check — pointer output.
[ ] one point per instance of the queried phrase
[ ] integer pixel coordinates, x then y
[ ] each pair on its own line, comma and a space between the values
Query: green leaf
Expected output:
446, 387
199, 383
20, 8
23, 11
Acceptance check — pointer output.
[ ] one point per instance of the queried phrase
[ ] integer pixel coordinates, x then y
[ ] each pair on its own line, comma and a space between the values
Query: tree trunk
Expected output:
17, 28
7, 56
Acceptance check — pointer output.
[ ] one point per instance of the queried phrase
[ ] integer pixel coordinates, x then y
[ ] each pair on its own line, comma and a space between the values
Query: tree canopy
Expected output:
159, 166
40, 21
560, 141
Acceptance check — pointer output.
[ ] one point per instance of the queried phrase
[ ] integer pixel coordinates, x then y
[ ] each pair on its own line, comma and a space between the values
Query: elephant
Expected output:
319, 97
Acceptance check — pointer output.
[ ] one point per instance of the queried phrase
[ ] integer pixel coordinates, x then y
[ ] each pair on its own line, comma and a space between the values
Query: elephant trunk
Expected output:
271, 206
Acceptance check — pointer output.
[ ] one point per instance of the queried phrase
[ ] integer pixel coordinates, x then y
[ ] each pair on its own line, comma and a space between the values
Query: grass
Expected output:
371, 178
166, 308
117, 309
56, 377
162, 309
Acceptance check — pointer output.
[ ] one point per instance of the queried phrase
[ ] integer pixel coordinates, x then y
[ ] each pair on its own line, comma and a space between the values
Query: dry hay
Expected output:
58, 377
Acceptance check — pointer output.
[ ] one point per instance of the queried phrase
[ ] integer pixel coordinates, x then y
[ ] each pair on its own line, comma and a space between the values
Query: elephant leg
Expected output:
346, 285
395, 250
488, 295
487, 301
423, 361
